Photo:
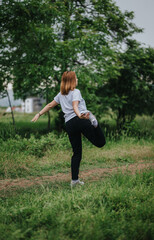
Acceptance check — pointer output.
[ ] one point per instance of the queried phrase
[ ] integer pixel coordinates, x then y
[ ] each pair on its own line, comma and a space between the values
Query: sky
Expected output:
144, 18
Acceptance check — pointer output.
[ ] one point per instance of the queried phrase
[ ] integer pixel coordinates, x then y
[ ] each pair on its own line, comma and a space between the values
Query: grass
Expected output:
24, 126
51, 154
119, 207
141, 127
146, 123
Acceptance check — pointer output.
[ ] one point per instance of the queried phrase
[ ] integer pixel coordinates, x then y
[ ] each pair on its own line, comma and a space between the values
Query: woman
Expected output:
78, 120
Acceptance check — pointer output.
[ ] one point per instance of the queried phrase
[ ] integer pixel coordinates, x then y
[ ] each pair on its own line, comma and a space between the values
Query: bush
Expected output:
34, 146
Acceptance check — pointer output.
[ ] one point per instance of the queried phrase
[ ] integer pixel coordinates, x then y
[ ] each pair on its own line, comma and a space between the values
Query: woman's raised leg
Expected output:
94, 135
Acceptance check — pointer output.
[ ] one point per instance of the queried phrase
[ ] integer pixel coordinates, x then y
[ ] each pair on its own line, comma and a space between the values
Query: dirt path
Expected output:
90, 175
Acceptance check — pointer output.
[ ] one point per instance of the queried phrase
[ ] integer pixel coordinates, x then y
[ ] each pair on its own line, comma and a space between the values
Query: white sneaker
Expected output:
93, 120
76, 182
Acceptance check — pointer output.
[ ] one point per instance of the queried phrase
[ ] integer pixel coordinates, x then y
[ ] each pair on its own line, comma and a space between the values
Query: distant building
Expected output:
31, 104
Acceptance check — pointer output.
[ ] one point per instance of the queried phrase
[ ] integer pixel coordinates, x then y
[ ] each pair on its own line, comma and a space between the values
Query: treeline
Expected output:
42, 39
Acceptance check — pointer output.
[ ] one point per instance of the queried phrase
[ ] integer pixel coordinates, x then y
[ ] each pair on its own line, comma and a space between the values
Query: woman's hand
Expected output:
35, 118
84, 116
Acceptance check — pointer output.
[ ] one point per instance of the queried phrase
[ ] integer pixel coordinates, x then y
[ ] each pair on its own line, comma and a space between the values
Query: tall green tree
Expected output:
131, 92
29, 46
46, 38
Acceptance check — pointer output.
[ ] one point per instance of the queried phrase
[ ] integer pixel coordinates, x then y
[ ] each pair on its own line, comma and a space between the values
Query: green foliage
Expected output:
34, 146
146, 124
133, 129
119, 207
6, 131
131, 91
42, 39
140, 128
22, 154
24, 127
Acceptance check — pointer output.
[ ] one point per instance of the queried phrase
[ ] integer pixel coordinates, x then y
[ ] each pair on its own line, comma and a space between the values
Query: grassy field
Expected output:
51, 155
114, 206
119, 207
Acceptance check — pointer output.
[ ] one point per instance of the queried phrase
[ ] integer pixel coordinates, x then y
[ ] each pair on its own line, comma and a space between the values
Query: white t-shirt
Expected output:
66, 103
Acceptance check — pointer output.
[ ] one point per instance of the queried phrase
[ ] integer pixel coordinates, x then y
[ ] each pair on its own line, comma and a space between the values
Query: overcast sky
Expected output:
144, 18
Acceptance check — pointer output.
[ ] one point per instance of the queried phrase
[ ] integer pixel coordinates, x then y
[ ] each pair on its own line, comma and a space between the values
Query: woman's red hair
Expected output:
68, 82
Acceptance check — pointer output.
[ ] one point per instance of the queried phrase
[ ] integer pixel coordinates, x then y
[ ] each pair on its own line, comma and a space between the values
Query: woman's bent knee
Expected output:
101, 144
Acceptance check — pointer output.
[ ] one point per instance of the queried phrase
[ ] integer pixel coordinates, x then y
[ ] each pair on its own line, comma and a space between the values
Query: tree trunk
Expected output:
13, 120
47, 101
121, 119
66, 33
60, 119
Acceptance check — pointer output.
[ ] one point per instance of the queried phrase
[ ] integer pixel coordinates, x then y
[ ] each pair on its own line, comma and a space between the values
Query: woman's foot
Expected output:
76, 182
93, 120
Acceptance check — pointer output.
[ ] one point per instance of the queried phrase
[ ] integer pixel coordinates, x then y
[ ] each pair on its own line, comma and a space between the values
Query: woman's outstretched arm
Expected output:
44, 110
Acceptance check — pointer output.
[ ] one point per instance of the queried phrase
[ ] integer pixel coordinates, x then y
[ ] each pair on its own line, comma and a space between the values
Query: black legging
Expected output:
74, 128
